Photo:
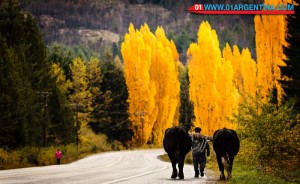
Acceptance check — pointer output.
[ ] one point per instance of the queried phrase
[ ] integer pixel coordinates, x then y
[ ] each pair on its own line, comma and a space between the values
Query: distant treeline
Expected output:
115, 16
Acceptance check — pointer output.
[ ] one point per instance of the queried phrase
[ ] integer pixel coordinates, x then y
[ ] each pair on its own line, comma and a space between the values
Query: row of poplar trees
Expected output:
215, 81
218, 80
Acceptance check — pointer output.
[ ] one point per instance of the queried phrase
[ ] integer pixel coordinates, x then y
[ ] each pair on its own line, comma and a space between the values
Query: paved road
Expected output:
126, 167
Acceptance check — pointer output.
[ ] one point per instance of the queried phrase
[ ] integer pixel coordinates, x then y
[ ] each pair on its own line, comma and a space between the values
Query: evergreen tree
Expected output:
186, 110
10, 94
113, 117
24, 72
291, 72
63, 56
182, 44
100, 101
80, 97
61, 129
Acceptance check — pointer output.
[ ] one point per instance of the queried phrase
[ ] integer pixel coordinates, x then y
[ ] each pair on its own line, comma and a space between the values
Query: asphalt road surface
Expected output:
126, 167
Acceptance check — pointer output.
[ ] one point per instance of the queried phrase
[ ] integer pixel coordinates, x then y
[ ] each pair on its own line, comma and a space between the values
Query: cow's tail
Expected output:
225, 163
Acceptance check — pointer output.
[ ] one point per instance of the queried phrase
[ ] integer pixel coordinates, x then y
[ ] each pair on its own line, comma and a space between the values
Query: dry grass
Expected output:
39, 156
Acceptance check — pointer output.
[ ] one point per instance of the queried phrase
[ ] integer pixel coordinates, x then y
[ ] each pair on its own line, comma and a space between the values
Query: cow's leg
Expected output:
221, 167
180, 166
230, 165
173, 161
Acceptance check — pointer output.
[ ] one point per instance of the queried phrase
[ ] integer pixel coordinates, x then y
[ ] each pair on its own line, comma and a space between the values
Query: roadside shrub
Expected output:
46, 156
9, 159
91, 142
272, 131
30, 155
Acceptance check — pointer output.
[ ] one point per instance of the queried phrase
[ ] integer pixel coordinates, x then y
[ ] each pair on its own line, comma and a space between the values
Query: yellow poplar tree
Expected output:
151, 73
137, 54
245, 69
211, 82
237, 65
248, 73
164, 74
270, 37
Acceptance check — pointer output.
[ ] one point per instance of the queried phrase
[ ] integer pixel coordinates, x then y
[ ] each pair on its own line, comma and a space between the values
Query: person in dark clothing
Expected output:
200, 148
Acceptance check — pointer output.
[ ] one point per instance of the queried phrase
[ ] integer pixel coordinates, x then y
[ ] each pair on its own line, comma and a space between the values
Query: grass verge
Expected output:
244, 171
90, 143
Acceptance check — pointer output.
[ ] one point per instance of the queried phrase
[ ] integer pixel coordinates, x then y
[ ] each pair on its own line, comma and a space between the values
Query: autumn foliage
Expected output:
270, 32
218, 79
151, 72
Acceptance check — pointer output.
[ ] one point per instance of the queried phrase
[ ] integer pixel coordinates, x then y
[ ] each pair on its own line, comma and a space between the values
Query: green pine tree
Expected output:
291, 86
113, 119
80, 97
62, 55
25, 59
186, 110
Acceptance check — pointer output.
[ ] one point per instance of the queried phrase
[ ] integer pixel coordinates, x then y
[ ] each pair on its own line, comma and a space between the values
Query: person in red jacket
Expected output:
58, 156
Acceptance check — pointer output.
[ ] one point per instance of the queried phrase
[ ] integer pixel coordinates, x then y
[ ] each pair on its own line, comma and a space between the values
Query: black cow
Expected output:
226, 145
177, 143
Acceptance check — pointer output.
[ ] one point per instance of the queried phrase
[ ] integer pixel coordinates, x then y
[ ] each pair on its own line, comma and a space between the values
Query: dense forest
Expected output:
48, 94
131, 69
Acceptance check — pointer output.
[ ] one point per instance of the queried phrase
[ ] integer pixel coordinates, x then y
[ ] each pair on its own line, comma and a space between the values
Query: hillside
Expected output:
98, 23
